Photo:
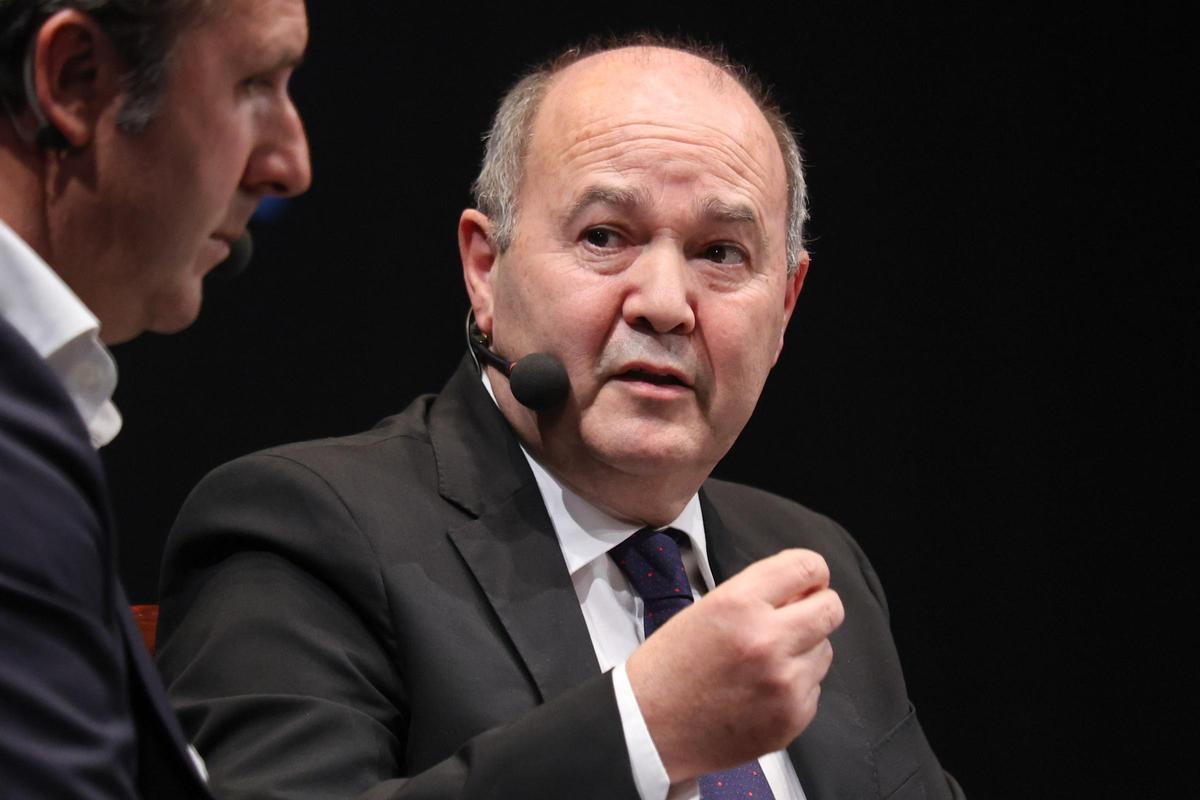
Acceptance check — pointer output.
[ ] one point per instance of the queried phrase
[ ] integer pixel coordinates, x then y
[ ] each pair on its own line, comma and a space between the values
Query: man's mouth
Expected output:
225, 239
657, 377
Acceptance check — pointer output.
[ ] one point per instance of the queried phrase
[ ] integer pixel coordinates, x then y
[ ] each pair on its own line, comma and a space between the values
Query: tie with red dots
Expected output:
652, 563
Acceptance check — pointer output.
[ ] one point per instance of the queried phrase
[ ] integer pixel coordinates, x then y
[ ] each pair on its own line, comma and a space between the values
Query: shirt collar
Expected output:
61, 329
586, 533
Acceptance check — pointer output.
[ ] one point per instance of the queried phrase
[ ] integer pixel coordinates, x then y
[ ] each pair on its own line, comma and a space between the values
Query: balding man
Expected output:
454, 604
136, 137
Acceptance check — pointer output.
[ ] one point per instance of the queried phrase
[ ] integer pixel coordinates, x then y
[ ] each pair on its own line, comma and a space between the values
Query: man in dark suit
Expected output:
454, 603
132, 153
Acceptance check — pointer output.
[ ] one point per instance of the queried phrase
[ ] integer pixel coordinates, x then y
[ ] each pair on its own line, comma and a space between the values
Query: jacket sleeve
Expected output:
278, 643
65, 725
908, 735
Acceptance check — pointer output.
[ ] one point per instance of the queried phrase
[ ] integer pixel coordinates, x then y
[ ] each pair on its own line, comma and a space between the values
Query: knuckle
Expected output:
733, 608
775, 701
809, 707
777, 685
825, 657
797, 715
813, 564
716, 601
833, 613
755, 647
805, 564
839, 609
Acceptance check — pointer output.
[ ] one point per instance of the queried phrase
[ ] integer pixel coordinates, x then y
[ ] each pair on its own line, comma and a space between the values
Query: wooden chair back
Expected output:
146, 617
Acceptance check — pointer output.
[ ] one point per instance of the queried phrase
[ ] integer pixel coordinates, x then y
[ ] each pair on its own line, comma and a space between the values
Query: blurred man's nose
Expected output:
280, 164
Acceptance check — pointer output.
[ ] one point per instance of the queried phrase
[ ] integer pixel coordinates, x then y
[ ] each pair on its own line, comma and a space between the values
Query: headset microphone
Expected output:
538, 381
236, 262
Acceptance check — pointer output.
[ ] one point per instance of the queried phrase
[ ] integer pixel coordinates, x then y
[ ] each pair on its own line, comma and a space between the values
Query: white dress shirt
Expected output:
61, 329
613, 613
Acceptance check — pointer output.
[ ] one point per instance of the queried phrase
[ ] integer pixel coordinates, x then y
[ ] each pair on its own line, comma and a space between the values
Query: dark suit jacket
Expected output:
394, 607
82, 711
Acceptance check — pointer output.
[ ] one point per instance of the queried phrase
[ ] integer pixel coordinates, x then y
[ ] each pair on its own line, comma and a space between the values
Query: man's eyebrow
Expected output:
292, 59
721, 211
289, 59
718, 210
615, 196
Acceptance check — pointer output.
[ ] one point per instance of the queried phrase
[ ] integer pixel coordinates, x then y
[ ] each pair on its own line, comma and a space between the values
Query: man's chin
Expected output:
644, 449
175, 313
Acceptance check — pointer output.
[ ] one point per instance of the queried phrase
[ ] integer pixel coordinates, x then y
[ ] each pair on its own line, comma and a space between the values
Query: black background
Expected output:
985, 380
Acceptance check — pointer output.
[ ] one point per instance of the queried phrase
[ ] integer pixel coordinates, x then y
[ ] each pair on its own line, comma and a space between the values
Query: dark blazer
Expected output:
392, 610
82, 711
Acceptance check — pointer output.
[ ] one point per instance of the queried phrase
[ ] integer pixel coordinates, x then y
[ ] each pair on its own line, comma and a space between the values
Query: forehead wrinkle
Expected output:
631, 136
615, 153
619, 154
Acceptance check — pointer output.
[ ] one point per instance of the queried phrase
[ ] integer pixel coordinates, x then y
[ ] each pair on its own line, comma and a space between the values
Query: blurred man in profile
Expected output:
136, 139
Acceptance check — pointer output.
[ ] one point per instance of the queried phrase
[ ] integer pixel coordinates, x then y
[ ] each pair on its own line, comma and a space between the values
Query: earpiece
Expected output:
49, 137
538, 381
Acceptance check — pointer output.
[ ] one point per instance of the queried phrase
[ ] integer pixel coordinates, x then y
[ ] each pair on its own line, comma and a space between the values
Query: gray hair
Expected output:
143, 32
507, 142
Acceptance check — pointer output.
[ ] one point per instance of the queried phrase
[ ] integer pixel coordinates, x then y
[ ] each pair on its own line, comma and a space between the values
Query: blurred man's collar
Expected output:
61, 329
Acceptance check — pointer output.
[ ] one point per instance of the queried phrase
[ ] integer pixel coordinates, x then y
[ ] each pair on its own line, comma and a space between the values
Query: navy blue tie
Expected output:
652, 563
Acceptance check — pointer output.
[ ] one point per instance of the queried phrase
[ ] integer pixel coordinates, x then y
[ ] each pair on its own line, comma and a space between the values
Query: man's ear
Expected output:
795, 282
76, 74
478, 253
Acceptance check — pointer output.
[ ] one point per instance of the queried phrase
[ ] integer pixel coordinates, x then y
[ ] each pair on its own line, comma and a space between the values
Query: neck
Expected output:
49, 201
22, 203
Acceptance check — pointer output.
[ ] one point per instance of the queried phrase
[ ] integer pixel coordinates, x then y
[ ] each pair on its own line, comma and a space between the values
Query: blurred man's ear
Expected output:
478, 253
76, 75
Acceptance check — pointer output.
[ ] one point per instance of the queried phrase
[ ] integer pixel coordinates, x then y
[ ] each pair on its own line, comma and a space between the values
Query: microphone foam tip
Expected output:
539, 381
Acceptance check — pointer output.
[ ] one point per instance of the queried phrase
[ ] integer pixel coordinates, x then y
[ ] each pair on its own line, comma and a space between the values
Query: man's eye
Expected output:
724, 254
256, 83
602, 238
265, 82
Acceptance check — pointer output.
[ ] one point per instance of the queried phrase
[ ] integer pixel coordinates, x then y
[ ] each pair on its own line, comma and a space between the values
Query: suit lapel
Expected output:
515, 556
726, 555
510, 545
832, 757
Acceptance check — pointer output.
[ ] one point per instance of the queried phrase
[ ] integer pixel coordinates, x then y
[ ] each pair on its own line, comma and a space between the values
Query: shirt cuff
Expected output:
649, 774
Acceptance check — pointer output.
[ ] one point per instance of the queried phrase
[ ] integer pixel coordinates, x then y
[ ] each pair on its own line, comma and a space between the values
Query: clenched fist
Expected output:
738, 674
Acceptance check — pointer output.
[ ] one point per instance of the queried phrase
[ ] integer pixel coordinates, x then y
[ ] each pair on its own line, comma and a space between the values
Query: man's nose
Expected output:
661, 294
279, 164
